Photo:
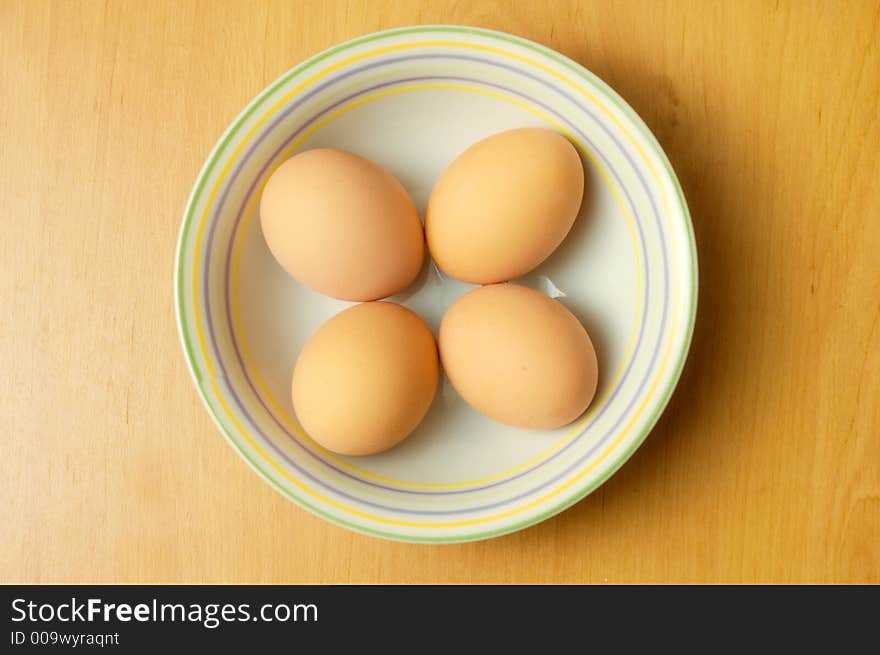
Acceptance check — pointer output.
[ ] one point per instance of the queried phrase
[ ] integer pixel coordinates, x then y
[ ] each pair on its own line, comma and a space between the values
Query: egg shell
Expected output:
518, 356
504, 205
342, 225
366, 378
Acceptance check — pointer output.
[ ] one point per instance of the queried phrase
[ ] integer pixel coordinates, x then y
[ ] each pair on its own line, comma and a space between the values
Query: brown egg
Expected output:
366, 378
504, 205
518, 356
342, 225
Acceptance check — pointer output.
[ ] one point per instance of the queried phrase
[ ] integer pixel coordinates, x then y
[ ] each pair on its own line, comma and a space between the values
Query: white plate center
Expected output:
415, 135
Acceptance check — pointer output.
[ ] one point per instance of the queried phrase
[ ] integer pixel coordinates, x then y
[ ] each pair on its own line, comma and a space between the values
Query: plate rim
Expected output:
664, 395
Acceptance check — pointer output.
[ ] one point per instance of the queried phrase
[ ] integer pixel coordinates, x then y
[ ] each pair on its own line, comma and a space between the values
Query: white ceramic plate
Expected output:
412, 99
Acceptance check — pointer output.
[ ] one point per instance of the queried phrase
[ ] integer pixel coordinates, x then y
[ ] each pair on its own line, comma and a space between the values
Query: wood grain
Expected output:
766, 465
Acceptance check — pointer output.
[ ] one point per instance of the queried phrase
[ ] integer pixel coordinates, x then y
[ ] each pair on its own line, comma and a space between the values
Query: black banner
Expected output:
414, 618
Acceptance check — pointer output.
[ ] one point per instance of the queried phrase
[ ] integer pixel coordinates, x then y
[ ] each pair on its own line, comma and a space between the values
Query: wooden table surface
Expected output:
766, 464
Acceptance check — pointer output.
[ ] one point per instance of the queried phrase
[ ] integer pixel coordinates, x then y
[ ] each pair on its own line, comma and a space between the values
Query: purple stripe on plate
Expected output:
240, 216
320, 482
